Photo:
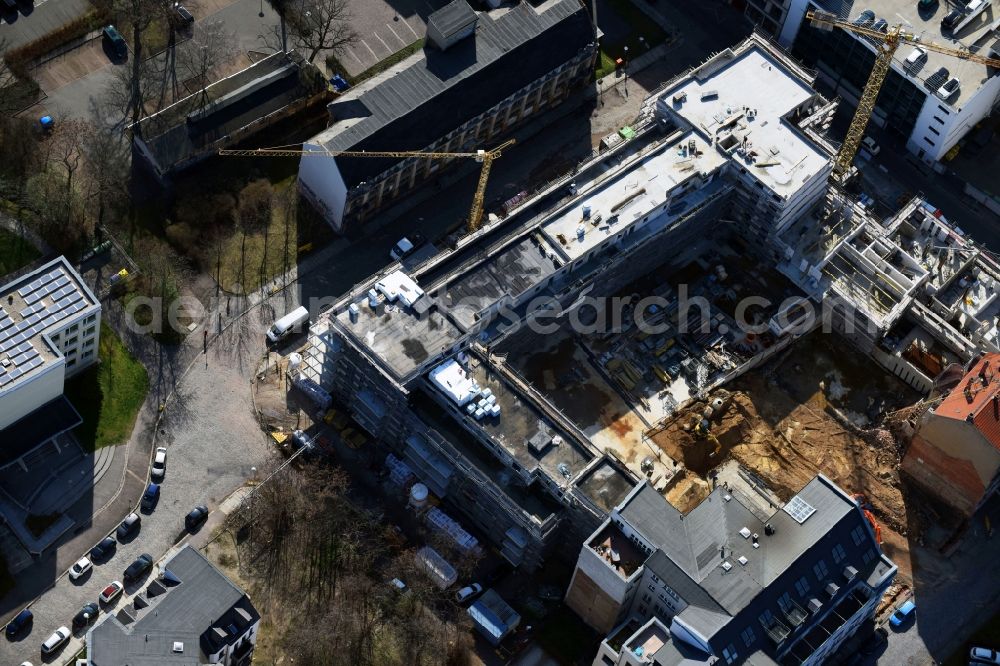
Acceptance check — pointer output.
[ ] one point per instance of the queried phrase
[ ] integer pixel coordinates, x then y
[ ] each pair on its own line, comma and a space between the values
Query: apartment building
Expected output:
413, 355
49, 330
190, 615
732, 581
481, 75
912, 105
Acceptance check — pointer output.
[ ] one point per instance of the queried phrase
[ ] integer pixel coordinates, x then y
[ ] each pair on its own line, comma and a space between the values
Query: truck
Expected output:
281, 328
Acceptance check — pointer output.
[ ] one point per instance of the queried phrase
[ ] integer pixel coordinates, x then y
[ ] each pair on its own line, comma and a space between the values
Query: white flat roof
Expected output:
757, 81
629, 194
455, 382
31, 306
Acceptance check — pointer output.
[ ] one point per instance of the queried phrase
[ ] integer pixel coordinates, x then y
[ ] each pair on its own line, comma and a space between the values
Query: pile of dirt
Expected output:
787, 443
688, 493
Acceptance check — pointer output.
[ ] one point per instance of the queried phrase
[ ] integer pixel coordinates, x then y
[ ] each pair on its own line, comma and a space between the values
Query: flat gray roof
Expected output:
453, 16
33, 305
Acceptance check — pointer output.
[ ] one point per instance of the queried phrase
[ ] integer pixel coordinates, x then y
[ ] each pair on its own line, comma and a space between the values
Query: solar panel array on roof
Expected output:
49, 299
799, 509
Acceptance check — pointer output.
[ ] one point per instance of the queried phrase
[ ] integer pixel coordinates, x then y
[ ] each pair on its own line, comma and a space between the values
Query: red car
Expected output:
111, 592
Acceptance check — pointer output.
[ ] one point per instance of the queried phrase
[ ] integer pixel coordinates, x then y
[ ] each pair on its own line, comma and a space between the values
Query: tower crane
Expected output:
485, 157
886, 45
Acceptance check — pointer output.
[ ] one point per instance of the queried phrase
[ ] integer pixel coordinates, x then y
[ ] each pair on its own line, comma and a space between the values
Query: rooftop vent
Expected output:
727, 497
815, 605
745, 533
742, 560
850, 573
727, 566
452, 23
178, 647
832, 589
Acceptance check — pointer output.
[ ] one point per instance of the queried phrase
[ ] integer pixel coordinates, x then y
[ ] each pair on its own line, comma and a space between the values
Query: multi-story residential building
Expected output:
49, 330
730, 581
414, 356
481, 75
912, 104
190, 615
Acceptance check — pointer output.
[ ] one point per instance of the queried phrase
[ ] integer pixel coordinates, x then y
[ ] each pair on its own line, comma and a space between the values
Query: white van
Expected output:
286, 324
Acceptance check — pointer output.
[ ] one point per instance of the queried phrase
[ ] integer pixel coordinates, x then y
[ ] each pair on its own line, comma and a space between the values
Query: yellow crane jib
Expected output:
484, 157
887, 43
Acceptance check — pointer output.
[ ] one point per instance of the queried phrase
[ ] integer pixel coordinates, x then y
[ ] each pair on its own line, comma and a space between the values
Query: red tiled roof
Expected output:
978, 396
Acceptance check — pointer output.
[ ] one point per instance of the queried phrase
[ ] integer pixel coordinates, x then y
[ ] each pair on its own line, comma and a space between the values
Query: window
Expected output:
868, 556
943, 110
838, 554
72, 329
89, 331
91, 318
70, 363
89, 343
729, 653
928, 141
646, 598
607, 661
657, 610
748, 636
71, 341
802, 586
820, 570
651, 588
642, 609
858, 535
939, 120
767, 618
88, 353
936, 133
784, 602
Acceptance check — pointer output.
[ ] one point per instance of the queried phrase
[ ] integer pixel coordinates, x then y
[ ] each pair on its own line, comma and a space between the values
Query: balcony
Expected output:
776, 630
794, 613
820, 633
644, 644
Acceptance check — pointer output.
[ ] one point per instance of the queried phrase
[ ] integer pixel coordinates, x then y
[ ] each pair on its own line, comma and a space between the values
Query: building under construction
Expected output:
731, 151
481, 75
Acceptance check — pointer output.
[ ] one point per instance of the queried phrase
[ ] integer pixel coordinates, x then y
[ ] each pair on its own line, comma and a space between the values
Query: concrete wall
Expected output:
25, 397
956, 122
321, 184
596, 591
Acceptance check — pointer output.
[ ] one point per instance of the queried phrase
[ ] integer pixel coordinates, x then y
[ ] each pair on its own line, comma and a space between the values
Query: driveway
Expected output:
36, 18
213, 442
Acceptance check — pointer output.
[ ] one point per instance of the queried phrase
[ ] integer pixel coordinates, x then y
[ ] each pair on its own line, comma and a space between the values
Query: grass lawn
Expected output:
15, 252
108, 395
642, 26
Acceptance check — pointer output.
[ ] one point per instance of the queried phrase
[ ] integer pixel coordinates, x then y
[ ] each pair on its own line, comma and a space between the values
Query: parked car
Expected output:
17, 625
86, 616
869, 144
917, 57
150, 497
398, 584
55, 641
981, 655
865, 18
11, 5
406, 246
468, 592
103, 550
129, 527
111, 592
159, 468
183, 15
951, 19
80, 568
949, 89
114, 40
139, 568
196, 518
902, 614
881, 25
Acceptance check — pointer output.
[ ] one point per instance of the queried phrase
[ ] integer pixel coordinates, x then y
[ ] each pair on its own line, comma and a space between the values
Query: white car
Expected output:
55, 641
111, 592
80, 568
981, 655
468, 592
159, 467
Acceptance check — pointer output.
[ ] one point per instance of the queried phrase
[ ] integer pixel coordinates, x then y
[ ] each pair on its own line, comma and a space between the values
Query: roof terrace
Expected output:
617, 550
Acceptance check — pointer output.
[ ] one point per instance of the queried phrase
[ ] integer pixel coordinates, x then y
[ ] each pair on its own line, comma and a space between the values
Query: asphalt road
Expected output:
213, 441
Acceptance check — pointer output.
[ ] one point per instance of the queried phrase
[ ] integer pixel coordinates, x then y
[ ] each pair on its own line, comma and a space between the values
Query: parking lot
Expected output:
213, 443
384, 27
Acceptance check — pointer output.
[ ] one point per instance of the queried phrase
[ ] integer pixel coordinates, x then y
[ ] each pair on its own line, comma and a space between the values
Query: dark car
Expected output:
184, 17
114, 40
951, 19
20, 622
139, 568
150, 497
86, 616
11, 5
103, 550
129, 527
196, 518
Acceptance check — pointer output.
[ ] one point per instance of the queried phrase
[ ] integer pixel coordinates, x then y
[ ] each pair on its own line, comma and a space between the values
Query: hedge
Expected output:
19, 59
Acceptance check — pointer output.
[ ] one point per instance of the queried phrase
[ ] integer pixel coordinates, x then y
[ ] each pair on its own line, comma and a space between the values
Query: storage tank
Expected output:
418, 495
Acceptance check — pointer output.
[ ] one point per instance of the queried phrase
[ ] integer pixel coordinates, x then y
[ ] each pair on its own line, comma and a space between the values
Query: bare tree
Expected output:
321, 25
107, 154
211, 49
139, 14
